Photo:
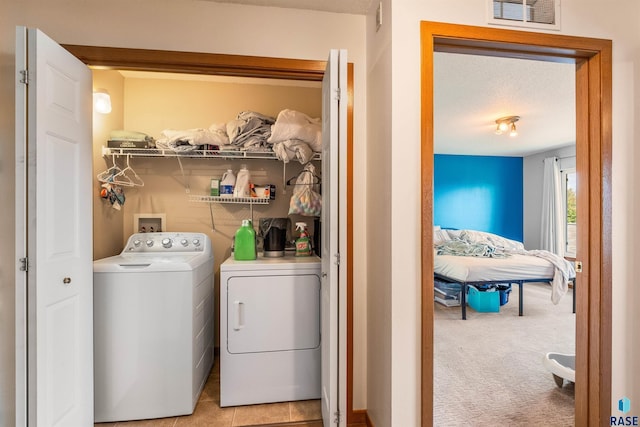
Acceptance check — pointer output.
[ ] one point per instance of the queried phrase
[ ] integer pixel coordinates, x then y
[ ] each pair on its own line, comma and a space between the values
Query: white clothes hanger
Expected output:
107, 176
122, 178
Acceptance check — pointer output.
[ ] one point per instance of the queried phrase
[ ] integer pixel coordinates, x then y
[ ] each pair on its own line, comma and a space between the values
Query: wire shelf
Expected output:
231, 200
194, 154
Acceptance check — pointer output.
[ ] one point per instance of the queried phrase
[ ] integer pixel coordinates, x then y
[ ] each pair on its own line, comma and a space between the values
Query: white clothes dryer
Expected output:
269, 330
153, 326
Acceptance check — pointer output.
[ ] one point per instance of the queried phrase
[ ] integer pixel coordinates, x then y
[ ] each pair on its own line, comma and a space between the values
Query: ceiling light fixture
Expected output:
507, 123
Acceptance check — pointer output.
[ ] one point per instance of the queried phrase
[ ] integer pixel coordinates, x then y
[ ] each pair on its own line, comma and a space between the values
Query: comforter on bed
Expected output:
481, 244
463, 248
563, 272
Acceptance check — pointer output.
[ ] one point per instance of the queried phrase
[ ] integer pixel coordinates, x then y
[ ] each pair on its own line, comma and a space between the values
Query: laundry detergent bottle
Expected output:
303, 243
243, 181
227, 183
245, 242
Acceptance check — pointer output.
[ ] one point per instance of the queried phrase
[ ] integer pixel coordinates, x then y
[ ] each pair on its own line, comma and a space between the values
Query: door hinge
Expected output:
24, 264
25, 76
338, 94
338, 417
337, 259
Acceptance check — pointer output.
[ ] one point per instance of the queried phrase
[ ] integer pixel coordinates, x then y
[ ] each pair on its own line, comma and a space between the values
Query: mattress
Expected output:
477, 269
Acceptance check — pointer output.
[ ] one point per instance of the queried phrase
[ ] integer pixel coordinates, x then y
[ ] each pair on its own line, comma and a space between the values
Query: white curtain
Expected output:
553, 210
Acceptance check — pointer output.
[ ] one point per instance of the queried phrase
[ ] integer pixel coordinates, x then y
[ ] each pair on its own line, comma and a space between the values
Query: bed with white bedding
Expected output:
470, 257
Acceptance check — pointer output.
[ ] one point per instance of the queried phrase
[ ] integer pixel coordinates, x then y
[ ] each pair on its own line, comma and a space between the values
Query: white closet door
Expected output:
333, 251
59, 281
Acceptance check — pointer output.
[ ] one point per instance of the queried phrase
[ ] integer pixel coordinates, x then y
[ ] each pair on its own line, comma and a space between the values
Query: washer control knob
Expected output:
196, 242
137, 243
166, 243
184, 242
149, 243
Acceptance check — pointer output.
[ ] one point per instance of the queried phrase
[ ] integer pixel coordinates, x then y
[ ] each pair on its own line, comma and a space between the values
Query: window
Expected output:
525, 13
569, 190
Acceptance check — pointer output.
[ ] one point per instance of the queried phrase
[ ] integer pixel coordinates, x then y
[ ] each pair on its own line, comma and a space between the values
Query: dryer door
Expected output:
273, 313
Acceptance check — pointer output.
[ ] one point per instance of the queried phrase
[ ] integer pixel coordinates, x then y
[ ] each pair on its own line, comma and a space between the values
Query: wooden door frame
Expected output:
245, 66
593, 61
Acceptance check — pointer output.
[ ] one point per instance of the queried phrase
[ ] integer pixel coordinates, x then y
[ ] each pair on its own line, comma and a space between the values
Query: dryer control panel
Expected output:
167, 242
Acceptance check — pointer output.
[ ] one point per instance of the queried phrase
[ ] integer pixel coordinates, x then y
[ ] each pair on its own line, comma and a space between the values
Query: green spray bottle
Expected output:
303, 243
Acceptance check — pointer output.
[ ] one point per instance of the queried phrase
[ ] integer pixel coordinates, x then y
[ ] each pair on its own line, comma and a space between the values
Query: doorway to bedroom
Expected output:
501, 177
592, 60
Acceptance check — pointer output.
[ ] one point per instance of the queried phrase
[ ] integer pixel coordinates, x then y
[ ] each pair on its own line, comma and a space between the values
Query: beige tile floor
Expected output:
208, 412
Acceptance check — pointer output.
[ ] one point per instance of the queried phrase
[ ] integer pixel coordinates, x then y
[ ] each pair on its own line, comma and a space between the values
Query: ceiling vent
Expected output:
542, 14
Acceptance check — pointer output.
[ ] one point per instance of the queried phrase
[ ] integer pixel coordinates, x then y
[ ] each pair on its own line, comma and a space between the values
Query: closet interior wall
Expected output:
152, 102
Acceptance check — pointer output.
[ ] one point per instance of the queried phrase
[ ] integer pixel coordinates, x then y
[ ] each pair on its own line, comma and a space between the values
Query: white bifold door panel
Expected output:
54, 304
334, 240
273, 313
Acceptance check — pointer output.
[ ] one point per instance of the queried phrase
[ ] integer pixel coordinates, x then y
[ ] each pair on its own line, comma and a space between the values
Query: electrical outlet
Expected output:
379, 16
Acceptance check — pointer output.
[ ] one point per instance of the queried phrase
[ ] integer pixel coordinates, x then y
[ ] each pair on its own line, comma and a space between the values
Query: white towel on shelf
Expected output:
178, 139
293, 149
294, 125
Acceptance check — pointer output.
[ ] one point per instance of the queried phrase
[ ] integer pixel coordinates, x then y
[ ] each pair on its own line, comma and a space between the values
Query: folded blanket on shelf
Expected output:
191, 139
293, 149
250, 129
294, 125
127, 135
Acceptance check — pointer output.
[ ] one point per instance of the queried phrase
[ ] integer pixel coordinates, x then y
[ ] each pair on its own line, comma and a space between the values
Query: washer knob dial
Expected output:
166, 243
149, 243
136, 243
184, 242
196, 242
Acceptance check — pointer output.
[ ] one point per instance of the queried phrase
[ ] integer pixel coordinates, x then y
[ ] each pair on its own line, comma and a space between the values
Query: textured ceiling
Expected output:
356, 7
471, 92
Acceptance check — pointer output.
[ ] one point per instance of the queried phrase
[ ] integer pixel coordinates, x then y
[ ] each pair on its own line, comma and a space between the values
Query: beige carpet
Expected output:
488, 369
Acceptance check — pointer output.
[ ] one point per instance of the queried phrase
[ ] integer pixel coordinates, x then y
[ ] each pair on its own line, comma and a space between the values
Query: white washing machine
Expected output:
153, 326
269, 330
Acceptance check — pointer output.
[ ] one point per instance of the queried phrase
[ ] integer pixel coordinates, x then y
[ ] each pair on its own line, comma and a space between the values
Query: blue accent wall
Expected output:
480, 193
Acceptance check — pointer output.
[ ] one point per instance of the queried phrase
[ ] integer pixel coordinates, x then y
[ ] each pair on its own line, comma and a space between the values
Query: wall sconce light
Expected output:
508, 123
101, 101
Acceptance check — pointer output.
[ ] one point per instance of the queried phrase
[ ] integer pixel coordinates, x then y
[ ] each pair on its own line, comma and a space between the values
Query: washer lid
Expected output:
128, 263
